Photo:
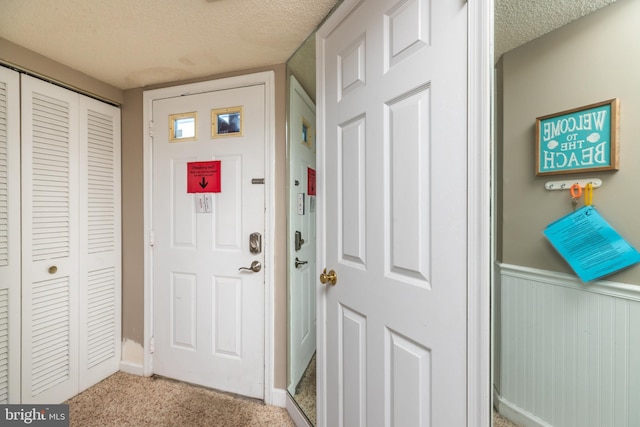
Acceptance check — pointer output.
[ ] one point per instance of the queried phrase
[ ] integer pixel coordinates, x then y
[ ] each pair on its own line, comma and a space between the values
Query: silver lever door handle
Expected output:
255, 267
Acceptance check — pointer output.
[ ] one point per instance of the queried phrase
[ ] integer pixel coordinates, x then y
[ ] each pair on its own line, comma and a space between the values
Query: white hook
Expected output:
566, 184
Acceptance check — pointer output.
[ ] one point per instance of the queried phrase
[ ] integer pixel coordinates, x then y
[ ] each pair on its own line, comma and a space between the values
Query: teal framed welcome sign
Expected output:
583, 139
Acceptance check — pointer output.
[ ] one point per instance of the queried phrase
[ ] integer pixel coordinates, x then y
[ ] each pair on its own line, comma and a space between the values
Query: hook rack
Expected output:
567, 183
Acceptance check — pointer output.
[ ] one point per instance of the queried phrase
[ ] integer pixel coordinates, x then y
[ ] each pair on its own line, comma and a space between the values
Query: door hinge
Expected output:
151, 128
152, 238
152, 345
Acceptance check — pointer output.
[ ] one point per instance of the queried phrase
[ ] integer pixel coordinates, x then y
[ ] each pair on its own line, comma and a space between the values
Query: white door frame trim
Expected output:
268, 79
479, 256
480, 66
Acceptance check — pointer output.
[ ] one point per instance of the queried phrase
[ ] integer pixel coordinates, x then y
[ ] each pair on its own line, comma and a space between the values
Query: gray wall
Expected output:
593, 59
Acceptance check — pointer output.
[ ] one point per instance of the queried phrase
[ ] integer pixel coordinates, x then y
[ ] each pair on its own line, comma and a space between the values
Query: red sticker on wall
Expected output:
203, 177
311, 182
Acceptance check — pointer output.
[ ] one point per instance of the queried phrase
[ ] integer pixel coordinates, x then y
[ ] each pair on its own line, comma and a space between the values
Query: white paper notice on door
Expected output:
204, 203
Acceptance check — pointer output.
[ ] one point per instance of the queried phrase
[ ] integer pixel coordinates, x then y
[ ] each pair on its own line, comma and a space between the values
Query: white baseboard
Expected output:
131, 368
279, 397
295, 413
518, 415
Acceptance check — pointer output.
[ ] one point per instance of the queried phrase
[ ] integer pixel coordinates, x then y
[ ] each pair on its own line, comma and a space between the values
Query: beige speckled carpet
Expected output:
306, 392
129, 400
500, 421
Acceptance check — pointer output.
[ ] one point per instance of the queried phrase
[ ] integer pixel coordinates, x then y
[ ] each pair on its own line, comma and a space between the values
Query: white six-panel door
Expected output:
393, 155
302, 218
9, 236
70, 241
209, 315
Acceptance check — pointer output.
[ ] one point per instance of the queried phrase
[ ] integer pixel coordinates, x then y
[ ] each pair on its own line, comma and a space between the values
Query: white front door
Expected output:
302, 233
393, 162
208, 314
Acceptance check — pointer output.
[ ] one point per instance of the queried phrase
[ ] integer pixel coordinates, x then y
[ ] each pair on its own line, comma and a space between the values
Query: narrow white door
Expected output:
394, 155
50, 242
302, 220
208, 313
9, 236
100, 242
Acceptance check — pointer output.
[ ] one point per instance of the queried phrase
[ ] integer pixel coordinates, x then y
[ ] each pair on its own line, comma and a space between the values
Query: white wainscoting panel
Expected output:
569, 352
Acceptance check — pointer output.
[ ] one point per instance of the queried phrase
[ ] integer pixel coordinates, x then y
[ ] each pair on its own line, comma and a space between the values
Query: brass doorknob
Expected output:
53, 269
330, 277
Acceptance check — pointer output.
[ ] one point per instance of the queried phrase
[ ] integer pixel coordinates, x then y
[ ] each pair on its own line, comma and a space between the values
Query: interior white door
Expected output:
50, 242
393, 155
9, 236
209, 315
100, 242
302, 220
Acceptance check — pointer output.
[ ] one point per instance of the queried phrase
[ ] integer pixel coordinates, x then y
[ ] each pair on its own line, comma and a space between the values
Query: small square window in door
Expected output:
306, 133
183, 127
226, 122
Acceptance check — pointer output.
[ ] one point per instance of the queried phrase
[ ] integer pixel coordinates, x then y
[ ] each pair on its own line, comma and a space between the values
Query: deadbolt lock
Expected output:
255, 243
298, 240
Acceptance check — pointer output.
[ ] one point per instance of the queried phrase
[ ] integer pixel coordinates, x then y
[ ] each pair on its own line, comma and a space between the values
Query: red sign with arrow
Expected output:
203, 177
311, 182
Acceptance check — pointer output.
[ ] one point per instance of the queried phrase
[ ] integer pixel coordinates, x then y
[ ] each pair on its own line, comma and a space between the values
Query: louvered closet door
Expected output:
100, 286
9, 236
71, 249
50, 242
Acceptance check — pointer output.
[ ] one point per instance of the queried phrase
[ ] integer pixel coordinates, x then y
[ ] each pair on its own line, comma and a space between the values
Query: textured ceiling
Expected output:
137, 43
520, 21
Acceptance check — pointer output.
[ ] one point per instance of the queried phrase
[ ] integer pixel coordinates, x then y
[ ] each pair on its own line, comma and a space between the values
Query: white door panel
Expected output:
100, 242
395, 139
208, 315
302, 278
9, 236
50, 242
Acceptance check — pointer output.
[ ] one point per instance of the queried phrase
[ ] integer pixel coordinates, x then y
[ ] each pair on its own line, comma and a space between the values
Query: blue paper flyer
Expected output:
590, 245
